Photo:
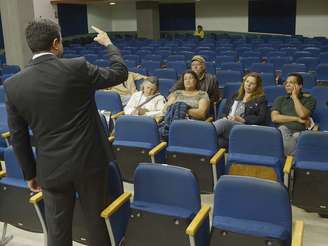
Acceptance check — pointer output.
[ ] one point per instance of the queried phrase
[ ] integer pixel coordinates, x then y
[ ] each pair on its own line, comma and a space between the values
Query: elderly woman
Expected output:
248, 106
148, 101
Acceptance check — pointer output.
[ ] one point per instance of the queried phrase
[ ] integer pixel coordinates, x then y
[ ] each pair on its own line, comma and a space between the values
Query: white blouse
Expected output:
154, 106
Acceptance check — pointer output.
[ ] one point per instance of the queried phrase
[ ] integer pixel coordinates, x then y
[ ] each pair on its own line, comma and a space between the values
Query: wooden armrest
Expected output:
154, 151
115, 116
198, 220
3, 174
297, 234
36, 198
111, 139
115, 205
5, 135
159, 119
209, 119
288, 164
215, 159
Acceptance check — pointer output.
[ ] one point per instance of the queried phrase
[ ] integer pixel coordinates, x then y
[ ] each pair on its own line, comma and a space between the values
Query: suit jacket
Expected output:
55, 98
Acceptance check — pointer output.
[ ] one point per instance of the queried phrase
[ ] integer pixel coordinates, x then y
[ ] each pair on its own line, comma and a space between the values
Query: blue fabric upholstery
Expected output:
174, 188
252, 206
249, 144
13, 168
194, 135
109, 101
311, 151
137, 131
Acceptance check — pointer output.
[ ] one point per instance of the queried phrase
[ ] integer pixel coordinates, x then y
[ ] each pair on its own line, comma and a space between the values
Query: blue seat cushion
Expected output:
251, 227
14, 182
187, 150
254, 159
163, 209
314, 165
143, 145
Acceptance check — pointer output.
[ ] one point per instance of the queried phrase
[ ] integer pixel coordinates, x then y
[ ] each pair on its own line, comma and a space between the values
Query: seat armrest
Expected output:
36, 198
218, 156
115, 205
3, 174
115, 116
111, 139
209, 119
288, 164
297, 234
5, 135
158, 148
198, 220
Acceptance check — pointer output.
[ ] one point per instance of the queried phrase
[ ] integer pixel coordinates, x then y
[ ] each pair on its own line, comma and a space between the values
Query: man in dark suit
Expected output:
55, 98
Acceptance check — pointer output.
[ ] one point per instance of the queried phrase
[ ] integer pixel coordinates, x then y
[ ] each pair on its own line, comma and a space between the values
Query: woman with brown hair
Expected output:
248, 106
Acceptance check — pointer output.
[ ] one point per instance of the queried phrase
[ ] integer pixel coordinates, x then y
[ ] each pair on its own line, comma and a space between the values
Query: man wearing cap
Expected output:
208, 81
292, 112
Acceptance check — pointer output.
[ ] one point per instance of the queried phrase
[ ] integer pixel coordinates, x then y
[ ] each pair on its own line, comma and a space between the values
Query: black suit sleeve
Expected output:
106, 77
20, 140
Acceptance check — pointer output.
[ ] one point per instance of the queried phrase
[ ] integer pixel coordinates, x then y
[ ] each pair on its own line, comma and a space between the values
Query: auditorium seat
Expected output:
109, 101
118, 221
251, 154
136, 140
165, 205
18, 206
310, 180
254, 212
194, 145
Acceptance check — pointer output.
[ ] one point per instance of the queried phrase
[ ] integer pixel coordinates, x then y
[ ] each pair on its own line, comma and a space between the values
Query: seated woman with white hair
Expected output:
148, 101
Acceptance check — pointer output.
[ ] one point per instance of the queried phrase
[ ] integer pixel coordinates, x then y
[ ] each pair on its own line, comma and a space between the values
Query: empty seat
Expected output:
166, 200
165, 73
311, 172
251, 154
292, 68
228, 76
194, 145
179, 66
251, 211
322, 72
15, 208
165, 86
262, 68
135, 140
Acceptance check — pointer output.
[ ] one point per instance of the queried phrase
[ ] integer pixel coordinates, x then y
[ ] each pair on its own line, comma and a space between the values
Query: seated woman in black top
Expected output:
248, 106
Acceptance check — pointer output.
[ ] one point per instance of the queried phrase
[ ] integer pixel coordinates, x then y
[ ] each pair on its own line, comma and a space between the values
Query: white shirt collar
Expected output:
41, 54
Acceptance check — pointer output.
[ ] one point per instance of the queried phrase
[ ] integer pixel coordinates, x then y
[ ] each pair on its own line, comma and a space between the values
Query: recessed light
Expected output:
111, 3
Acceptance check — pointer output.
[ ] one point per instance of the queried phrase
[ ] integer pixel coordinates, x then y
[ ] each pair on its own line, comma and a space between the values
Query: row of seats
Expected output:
160, 215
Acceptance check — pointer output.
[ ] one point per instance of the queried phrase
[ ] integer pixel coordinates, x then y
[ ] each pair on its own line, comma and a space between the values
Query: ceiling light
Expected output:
111, 3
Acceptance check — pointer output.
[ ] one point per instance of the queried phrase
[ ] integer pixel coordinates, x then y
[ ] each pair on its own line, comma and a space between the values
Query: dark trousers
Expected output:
59, 202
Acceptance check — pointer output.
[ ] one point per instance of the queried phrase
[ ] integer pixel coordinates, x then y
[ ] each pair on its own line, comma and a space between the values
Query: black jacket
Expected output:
55, 98
255, 110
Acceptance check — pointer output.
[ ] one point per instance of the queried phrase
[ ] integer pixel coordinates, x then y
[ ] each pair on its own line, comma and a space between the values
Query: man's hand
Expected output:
34, 185
296, 91
306, 122
102, 37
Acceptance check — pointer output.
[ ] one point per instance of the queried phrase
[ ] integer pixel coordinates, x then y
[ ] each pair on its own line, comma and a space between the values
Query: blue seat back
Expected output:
252, 199
253, 140
13, 168
312, 146
193, 134
272, 92
165, 85
138, 129
109, 101
167, 185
